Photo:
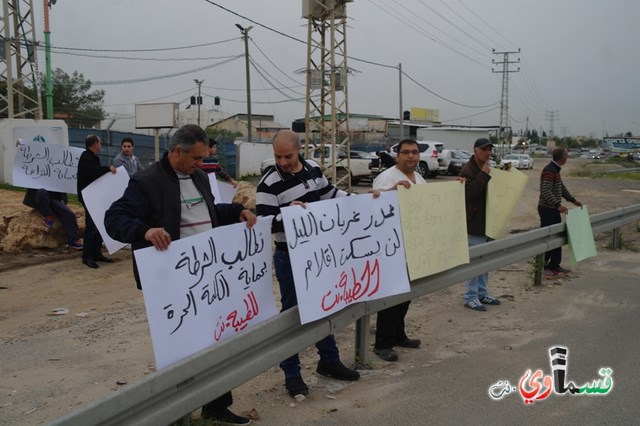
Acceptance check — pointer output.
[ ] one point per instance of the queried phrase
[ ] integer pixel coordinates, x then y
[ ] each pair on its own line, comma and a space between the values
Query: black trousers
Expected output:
552, 258
390, 326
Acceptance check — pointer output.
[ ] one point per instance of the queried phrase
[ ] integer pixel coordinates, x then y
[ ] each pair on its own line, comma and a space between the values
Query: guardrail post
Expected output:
362, 342
615, 238
538, 269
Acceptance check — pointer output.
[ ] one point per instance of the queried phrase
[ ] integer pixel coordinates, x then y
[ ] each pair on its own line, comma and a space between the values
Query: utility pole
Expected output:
245, 36
400, 92
47, 58
199, 99
504, 99
551, 117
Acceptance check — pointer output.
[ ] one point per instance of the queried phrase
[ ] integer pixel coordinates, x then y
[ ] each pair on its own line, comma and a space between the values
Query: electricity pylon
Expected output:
327, 115
18, 64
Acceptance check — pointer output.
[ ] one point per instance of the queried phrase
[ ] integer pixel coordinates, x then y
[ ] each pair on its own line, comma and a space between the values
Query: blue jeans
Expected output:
327, 348
476, 287
48, 207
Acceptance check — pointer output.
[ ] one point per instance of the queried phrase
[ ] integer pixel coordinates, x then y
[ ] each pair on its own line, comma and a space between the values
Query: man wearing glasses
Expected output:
390, 322
169, 200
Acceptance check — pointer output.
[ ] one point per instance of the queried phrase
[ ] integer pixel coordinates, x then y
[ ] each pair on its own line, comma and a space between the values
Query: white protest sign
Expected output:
99, 196
345, 250
46, 165
222, 192
206, 288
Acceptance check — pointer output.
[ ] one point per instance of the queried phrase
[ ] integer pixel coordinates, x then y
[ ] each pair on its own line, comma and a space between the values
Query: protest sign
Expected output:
343, 251
434, 226
222, 192
503, 192
580, 234
46, 165
206, 288
99, 196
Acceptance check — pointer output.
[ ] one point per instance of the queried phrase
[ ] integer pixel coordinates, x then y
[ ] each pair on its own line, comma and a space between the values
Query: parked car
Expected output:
526, 162
359, 162
428, 165
512, 159
453, 160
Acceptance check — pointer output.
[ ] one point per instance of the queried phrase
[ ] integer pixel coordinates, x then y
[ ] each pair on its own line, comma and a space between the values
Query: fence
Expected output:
175, 391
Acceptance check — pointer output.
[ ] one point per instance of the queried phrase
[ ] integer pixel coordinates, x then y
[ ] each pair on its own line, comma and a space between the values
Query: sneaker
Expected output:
550, 273
475, 305
337, 370
488, 300
562, 270
48, 221
386, 354
226, 417
296, 386
76, 244
409, 343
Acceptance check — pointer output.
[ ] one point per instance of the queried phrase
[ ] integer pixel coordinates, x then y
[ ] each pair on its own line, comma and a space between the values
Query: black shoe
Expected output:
296, 386
386, 354
562, 270
90, 263
104, 259
337, 370
226, 417
410, 343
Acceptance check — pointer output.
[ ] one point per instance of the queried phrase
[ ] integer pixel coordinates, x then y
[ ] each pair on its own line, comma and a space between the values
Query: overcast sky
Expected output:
578, 58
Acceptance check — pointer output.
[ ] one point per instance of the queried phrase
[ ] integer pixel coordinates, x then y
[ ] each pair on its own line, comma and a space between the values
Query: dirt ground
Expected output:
53, 364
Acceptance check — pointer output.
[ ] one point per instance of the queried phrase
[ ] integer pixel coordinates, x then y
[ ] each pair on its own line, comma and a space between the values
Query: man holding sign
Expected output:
552, 191
169, 200
390, 322
295, 181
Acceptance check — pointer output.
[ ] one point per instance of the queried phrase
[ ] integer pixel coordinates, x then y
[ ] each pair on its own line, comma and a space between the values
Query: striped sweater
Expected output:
278, 189
552, 190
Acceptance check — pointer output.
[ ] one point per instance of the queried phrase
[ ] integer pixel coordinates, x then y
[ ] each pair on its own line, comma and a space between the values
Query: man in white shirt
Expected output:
390, 322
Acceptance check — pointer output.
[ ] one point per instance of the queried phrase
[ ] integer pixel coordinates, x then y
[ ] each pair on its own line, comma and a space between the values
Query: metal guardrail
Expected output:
179, 389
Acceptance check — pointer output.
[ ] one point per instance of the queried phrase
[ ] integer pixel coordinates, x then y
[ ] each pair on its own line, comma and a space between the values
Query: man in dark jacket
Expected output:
476, 174
169, 200
89, 170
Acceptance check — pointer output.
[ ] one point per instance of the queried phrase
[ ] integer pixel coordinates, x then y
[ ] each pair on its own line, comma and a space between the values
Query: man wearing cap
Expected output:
476, 174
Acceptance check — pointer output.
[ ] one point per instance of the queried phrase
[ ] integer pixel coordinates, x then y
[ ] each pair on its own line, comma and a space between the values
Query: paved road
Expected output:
595, 315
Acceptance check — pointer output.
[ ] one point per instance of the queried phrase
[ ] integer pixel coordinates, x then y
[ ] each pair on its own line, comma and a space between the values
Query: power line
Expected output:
443, 98
160, 49
160, 77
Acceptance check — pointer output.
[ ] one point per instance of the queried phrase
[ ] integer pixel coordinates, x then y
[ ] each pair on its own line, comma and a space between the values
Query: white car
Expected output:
526, 162
512, 159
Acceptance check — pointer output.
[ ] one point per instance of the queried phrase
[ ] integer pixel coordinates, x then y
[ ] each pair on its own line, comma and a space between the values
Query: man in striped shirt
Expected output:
295, 181
552, 191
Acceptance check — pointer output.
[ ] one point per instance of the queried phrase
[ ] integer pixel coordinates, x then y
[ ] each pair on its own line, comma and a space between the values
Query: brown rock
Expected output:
246, 195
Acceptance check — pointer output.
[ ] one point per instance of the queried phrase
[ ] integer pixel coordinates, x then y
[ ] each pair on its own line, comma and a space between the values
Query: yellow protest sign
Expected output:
503, 193
434, 227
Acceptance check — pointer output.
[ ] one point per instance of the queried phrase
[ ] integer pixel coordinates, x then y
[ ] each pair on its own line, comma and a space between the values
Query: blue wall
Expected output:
144, 146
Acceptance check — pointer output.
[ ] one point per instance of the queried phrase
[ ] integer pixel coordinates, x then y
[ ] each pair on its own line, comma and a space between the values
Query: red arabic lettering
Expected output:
236, 321
367, 284
529, 395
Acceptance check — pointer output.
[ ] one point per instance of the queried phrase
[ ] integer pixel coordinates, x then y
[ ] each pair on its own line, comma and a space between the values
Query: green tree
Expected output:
73, 100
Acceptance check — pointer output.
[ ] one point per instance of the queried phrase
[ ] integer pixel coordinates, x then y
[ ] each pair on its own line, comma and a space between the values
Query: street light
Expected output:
199, 99
245, 36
